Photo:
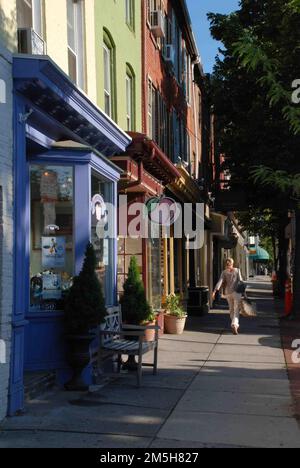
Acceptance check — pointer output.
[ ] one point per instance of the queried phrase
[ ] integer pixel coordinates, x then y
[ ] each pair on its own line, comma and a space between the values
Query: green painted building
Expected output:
118, 61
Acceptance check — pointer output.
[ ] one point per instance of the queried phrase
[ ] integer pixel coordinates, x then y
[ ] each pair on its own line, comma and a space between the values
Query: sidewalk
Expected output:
212, 390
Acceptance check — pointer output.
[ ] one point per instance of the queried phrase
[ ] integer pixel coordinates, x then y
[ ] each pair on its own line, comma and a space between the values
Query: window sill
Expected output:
130, 27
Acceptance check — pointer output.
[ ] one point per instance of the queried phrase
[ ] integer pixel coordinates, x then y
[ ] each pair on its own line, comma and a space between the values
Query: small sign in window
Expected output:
2, 92
2, 352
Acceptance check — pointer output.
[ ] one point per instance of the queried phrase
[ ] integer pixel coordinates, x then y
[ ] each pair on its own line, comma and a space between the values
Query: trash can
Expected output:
198, 302
205, 302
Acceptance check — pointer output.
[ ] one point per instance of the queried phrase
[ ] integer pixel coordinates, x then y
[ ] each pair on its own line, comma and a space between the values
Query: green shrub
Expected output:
84, 304
135, 307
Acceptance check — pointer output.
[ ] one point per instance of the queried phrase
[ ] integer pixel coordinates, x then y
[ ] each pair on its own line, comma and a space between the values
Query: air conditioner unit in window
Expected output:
169, 54
157, 23
29, 42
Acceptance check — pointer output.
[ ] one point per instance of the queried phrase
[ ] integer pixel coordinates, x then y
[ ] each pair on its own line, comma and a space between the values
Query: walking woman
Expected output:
231, 278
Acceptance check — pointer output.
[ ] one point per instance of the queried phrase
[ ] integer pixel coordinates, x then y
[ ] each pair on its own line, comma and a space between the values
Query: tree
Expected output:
265, 223
135, 307
271, 61
291, 184
252, 127
85, 305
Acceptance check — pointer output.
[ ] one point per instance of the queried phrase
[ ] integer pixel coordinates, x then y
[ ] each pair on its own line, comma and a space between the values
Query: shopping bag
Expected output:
248, 308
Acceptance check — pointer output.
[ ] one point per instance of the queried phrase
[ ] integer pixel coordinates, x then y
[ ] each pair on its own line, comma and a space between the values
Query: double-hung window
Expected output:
30, 14
129, 13
76, 41
107, 61
109, 75
188, 77
151, 110
130, 101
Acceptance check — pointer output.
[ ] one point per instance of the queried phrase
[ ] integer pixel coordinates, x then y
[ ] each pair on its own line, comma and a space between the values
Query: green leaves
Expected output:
252, 54
282, 180
294, 6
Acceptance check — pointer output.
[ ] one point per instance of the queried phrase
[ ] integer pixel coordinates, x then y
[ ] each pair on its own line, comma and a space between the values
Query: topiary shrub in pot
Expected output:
136, 309
175, 318
84, 311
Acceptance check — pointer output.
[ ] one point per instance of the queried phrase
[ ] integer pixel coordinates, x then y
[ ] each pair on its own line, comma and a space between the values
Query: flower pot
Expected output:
150, 334
174, 325
161, 321
78, 357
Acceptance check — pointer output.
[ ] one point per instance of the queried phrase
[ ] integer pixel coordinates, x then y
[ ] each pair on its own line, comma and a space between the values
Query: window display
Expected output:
127, 248
154, 266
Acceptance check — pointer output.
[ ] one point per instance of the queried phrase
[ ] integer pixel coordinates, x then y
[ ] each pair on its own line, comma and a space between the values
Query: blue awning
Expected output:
261, 255
61, 110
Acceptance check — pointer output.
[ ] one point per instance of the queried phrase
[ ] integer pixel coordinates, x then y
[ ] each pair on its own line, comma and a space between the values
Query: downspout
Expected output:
144, 55
194, 63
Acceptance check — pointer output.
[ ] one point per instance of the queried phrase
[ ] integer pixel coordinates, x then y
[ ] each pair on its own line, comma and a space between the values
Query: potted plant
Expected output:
175, 318
84, 311
135, 308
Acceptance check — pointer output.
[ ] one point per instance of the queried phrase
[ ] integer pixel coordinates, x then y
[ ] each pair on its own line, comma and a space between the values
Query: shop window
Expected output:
127, 248
154, 267
104, 247
76, 42
52, 240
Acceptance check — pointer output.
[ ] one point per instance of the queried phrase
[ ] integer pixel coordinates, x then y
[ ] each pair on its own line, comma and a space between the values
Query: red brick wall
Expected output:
155, 68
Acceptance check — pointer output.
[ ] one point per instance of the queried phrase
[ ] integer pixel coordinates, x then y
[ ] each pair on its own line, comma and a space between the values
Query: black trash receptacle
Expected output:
198, 303
194, 302
205, 302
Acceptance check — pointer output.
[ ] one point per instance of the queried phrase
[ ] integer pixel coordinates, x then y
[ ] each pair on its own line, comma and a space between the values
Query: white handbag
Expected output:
248, 308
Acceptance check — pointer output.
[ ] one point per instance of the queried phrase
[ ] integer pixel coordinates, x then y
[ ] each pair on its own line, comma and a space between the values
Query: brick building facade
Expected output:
174, 118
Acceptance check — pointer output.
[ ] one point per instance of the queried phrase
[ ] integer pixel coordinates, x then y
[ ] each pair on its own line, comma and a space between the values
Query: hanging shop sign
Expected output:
163, 211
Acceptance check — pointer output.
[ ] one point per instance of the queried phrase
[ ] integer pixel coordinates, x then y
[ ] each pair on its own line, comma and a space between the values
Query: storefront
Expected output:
188, 267
146, 171
64, 183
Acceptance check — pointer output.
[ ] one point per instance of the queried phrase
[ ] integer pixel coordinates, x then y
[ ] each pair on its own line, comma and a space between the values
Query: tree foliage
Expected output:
275, 59
257, 123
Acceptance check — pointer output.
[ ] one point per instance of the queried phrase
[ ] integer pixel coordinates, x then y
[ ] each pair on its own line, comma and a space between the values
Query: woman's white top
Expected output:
231, 279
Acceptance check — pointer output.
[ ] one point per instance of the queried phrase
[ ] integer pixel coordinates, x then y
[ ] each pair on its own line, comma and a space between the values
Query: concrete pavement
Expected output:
213, 390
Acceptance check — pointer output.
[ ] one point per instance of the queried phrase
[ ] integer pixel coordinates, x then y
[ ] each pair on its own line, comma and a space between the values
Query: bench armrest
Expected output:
140, 327
122, 333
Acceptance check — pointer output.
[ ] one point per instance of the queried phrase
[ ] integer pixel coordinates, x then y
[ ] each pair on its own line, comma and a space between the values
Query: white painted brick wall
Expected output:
6, 224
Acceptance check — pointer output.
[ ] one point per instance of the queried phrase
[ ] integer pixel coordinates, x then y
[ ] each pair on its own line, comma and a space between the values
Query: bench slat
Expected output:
117, 344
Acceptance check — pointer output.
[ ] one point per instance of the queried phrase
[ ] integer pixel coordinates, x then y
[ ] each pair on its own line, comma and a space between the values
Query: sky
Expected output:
198, 9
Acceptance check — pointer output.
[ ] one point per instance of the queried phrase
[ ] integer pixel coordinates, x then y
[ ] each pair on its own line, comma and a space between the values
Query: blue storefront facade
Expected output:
62, 143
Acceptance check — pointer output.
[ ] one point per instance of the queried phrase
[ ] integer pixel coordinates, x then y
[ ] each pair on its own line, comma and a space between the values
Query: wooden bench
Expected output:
129, 340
